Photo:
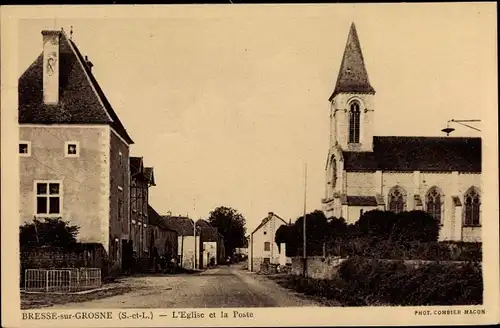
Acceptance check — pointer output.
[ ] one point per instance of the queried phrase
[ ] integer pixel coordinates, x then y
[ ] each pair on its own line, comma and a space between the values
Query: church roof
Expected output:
432, 154
352, 77
81, 99
361, 201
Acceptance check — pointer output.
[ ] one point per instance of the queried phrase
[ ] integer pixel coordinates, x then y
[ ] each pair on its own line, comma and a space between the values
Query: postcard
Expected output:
249, 165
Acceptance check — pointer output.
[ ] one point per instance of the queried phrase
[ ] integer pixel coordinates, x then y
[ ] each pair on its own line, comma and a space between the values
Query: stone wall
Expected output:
326, 268
318, 267
84, 255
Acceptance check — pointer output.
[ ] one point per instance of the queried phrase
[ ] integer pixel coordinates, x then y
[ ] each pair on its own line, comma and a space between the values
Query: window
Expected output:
354, 122
134, 198
472, 207
397, 200
48, 198
334, 173
71, 149
433, 203
267, 246
120, 208
25, 148
265, 232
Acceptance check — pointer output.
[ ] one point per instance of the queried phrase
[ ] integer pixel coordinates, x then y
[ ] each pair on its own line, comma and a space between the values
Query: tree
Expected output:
231, 226
316, 233
284, 234
50, 232
416, 226
375, 224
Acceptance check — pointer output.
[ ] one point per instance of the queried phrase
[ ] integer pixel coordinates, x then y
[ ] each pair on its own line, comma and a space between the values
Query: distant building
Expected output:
440, 175
163, 241
262, 246
213, 243
74, 151
188, 245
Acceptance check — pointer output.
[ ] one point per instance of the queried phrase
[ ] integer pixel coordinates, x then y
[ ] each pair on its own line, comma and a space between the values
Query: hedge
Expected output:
370, 282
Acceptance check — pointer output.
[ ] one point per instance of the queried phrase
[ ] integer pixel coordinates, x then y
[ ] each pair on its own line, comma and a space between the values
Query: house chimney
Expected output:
51, 66
270, 214
88, 63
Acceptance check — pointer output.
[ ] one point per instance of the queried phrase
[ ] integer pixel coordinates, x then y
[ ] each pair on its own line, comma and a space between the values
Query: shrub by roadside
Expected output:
369, 282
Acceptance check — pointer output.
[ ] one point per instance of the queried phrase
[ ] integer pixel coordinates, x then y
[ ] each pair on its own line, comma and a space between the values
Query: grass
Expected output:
36, 301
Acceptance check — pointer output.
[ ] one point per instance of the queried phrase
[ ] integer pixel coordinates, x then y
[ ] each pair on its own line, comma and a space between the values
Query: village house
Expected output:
262, 246
141, 179
440, 175
213, 251
74, 151
163, 241
189, 243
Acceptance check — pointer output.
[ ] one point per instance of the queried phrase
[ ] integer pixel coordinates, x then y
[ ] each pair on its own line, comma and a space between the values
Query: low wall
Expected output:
319, 267
83, 255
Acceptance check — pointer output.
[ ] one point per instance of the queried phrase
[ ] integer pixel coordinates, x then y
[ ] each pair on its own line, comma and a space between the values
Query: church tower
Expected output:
352, 101
351, 121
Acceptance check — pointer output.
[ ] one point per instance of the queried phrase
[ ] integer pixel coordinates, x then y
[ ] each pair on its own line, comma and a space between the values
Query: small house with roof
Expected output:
440, 175
188, 241
262, 246
73, 148
213, 251
163, 241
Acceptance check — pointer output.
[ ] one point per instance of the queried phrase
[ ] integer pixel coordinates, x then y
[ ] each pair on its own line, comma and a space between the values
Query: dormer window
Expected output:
71, 149
25, 148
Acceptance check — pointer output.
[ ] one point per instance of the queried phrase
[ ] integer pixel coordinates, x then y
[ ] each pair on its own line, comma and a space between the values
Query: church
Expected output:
439, 175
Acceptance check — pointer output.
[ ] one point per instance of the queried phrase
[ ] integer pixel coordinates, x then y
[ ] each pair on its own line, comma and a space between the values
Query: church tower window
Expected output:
472, 207
397, 200
433, 203
354, 122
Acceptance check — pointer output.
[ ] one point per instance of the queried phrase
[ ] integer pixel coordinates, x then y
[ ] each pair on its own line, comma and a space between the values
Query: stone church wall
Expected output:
360, 183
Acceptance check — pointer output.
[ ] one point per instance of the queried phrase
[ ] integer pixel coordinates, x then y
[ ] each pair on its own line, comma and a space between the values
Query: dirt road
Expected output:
218, 287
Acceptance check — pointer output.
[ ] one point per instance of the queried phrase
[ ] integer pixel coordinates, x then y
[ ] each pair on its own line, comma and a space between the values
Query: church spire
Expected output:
353, 76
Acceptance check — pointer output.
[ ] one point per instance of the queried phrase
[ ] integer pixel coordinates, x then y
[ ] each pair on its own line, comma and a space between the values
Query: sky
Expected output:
228, 103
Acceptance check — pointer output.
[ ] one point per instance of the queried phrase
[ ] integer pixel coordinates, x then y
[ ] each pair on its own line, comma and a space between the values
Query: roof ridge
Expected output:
96, 88
73, 47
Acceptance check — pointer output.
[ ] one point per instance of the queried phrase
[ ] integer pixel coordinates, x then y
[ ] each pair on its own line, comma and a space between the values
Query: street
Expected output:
222, 286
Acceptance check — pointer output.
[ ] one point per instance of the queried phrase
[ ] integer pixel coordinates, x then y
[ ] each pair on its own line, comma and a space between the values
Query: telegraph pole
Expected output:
194, 232
304, 253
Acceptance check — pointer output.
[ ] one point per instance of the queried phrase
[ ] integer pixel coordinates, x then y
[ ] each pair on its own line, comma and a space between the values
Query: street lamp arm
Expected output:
467, 125
448, 129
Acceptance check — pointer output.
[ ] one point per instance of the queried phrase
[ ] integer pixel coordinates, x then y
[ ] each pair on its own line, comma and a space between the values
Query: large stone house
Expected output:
440, 175
262, 245
74, 151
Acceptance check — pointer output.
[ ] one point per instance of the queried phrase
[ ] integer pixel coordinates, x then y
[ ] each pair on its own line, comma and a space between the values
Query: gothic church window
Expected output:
397, 200
472, 207
354, 113
434, 204
334, 173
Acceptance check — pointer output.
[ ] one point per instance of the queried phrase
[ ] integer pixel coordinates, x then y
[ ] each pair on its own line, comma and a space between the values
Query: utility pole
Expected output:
194, 233
304, 253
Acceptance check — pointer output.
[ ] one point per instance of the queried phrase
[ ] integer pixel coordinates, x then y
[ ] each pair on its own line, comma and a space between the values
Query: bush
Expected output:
405, 250
393, 283
369, 282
